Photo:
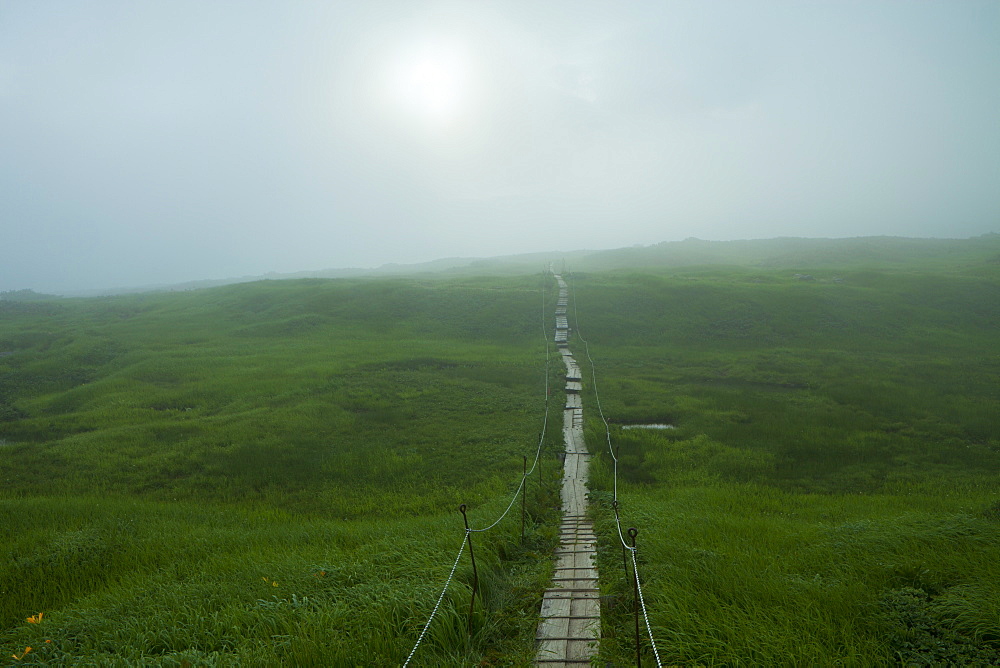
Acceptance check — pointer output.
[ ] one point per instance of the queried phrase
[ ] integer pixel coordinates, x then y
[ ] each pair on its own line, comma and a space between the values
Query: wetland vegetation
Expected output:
269, 473
830, 493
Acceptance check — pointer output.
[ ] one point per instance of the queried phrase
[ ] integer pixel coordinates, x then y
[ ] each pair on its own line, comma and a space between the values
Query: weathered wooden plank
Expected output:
569, 626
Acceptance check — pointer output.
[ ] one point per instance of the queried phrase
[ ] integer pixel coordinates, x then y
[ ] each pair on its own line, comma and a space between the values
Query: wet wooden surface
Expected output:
570, 624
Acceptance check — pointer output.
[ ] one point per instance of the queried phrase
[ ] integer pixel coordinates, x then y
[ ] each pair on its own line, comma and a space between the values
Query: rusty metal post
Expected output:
475, 573
541, 460
614, 505
524, 490
635, 604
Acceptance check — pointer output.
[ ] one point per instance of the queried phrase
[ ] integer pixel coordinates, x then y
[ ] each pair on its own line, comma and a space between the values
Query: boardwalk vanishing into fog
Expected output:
570, 624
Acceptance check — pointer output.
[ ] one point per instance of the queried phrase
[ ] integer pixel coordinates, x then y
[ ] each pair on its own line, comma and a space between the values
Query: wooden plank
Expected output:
570, 617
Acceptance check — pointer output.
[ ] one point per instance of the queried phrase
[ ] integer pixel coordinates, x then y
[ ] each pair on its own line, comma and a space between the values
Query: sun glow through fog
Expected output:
431, 83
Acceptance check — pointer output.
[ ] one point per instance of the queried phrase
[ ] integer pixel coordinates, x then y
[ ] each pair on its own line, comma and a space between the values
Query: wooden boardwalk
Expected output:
570, 624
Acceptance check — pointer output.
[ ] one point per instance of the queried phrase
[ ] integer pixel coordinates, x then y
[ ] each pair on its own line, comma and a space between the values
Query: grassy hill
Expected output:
830, 491
270, 472
791, 253
786, 252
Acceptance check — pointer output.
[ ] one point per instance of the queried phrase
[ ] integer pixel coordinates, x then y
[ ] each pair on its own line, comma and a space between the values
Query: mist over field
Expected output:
775, 222
768, 227
158, 143
270, 473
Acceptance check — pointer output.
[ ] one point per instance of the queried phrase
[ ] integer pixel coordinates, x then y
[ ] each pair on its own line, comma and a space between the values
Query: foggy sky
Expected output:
157, 142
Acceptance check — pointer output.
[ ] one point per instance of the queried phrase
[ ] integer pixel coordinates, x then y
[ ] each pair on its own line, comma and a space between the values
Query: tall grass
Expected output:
122, 581
829, 494
269, 474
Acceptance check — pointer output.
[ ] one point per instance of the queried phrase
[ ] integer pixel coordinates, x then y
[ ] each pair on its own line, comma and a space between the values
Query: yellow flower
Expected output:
23, 654
35, 619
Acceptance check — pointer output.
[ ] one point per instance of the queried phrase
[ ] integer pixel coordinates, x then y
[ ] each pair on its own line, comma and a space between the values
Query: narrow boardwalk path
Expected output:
570, 624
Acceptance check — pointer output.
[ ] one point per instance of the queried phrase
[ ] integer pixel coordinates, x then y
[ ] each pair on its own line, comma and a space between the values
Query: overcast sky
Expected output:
155, 142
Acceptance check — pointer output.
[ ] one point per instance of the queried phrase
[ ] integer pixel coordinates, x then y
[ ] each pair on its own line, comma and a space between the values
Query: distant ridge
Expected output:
791, 252
776, 253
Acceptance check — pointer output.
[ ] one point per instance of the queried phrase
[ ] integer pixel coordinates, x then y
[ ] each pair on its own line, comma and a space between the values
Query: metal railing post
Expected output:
524, 491
638, 657
475, 573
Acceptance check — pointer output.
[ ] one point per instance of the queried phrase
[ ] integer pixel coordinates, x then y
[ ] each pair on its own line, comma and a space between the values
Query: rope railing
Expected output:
541, 439
526, 473
645, 613
509, 506
631, 549
438, 604
626, 548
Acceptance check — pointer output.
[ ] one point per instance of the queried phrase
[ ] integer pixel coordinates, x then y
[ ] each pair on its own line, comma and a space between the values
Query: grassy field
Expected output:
830, 493
270, 473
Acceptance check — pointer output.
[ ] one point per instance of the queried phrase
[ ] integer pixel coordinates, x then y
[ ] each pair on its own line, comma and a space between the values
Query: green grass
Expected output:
829, 494
167, 458
747, 574
269, 473
161, 583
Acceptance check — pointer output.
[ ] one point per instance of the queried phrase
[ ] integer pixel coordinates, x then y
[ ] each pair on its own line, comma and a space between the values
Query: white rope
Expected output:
600, 410
593, 381
618, 525
541, 438
509, 506
524, 476
649, 629
545, 419
440, 598
607, 433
